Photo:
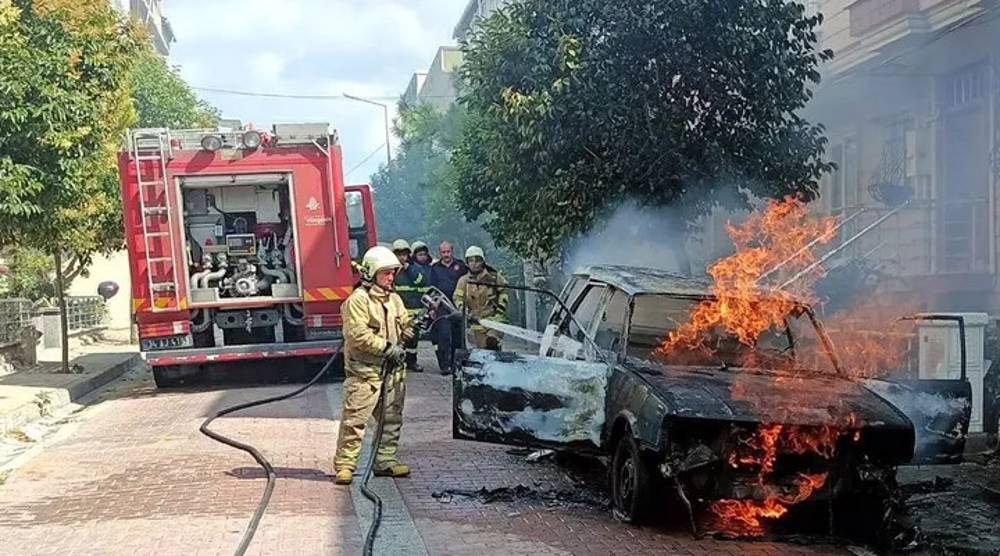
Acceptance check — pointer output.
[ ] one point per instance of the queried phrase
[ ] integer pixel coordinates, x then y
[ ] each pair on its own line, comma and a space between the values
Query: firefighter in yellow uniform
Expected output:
483, 302
376, 326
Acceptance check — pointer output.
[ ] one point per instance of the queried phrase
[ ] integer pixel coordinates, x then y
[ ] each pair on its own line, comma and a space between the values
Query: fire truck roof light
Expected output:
252, 139
211, 143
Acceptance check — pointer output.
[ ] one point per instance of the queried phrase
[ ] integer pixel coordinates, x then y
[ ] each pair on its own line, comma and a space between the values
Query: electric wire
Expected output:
363, 160
261, 460
263, 94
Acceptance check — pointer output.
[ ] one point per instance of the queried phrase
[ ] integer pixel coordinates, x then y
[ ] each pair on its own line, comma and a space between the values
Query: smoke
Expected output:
632, 235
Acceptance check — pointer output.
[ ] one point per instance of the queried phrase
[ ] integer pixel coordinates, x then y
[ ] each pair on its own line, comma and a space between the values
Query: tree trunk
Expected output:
63, 316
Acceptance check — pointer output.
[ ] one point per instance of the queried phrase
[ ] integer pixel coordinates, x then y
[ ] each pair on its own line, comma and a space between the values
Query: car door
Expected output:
940, 409
538, 400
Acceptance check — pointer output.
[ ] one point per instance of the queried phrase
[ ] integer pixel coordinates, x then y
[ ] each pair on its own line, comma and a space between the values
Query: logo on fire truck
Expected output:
313, 204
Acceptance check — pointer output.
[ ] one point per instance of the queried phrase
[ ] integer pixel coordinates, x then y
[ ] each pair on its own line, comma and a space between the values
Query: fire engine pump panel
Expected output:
239, 237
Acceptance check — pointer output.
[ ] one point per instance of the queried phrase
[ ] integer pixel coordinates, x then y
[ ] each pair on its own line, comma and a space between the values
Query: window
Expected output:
836, 179
569, 294
355, 210
655, 316
843, 182
965, 86
585, 312
612, 324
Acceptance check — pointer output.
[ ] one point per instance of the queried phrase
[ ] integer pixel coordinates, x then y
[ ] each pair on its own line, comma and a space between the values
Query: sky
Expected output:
367, 48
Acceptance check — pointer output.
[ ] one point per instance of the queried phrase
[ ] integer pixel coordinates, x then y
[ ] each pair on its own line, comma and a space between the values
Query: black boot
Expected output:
411, 363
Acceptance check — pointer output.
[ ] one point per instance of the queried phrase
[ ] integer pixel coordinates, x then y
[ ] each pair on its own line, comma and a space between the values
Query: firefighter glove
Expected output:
395, 352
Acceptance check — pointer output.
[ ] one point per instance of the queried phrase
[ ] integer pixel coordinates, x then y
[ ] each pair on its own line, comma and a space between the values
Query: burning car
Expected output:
744, 429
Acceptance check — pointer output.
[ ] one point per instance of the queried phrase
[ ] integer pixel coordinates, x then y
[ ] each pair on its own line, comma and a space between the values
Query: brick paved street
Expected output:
136, 477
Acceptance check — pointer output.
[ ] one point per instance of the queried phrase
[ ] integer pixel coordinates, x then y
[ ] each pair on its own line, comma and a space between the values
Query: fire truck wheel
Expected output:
631, 481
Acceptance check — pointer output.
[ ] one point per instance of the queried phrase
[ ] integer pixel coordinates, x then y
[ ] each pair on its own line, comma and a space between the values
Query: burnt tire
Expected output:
631, 482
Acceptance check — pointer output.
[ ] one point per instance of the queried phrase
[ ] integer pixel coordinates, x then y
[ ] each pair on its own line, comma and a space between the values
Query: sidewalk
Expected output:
29, 394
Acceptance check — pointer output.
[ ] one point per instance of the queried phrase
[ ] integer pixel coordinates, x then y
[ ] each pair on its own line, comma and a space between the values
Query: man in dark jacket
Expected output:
412, 282
444, 276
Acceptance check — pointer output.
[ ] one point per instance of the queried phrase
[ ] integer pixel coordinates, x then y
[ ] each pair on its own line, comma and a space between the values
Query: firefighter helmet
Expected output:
418, 245
475, 251
400, 245
377, 258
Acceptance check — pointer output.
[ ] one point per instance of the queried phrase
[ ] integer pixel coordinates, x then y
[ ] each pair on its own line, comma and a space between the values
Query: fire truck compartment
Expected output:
239, 236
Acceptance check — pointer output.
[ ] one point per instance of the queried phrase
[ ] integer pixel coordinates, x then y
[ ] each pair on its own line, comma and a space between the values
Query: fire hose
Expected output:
436, 302
261, 460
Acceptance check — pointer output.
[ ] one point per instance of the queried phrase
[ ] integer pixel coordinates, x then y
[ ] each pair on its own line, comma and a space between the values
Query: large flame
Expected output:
772, 272
779, 235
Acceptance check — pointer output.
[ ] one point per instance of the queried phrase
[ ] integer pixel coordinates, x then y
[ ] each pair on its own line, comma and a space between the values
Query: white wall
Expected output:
114, 268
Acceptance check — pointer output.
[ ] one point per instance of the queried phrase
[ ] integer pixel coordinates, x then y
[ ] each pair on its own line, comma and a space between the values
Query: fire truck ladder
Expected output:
150, 151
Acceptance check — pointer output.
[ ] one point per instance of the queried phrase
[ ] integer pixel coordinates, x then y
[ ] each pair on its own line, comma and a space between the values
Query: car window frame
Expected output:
587, 327
817, 324
619, 353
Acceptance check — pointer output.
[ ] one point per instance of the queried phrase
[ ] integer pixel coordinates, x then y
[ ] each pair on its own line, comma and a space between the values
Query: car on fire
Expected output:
794, 426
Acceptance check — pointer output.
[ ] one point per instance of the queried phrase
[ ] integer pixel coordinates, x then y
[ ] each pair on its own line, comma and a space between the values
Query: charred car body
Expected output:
782, 431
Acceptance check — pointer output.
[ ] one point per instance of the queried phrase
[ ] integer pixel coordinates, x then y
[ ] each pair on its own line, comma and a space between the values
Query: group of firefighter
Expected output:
379, 331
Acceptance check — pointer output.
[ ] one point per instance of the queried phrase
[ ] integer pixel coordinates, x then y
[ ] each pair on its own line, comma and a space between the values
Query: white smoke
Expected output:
634, 236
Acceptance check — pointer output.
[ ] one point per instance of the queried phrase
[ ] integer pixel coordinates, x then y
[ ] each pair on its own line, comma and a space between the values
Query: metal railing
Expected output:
85, 313
15, 314
924, 238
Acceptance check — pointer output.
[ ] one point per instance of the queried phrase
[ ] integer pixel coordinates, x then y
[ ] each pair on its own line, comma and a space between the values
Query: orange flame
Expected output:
781, 234
748, 513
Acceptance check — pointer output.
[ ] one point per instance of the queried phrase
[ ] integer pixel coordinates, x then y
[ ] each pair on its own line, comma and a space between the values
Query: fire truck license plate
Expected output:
167, 342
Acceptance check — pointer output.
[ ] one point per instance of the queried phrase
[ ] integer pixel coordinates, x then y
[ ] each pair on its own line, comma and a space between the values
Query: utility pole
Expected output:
385, 115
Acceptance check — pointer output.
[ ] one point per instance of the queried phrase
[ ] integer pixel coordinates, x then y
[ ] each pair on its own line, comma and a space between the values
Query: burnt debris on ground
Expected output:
522, 494
955, 506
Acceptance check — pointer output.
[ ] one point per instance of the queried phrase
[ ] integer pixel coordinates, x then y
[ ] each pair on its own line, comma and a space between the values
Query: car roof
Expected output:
636, 280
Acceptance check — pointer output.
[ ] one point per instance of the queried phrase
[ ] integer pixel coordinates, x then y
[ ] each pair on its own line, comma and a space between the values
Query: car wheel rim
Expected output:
626, 484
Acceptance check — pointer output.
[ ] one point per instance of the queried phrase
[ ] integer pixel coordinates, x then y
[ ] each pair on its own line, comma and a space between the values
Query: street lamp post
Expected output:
385, 114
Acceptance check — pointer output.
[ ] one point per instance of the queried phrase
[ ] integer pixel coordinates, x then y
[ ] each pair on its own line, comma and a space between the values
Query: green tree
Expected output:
415, 197
163, 99
65, 69
576, 105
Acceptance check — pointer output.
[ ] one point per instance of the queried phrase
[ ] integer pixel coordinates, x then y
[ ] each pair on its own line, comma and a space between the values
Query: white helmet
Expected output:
475, 251
377, 258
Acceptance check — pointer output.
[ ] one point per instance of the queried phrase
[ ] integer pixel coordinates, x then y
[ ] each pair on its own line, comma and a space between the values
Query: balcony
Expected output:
867, 15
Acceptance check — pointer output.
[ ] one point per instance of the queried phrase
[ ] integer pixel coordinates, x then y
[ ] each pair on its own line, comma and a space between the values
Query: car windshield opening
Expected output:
654, 317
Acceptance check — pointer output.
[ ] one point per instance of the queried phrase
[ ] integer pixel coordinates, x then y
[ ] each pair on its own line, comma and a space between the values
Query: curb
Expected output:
61, 397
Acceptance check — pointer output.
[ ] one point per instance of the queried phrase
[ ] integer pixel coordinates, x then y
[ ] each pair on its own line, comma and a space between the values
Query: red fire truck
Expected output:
240, 244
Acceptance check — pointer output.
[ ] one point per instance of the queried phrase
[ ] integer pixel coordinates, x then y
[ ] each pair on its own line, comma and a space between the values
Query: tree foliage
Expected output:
30, 275
163, 99
576, 105
64, 104
415, 196
73, 76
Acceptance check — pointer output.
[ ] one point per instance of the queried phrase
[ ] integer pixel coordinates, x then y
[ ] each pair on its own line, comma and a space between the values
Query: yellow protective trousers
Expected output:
361, 401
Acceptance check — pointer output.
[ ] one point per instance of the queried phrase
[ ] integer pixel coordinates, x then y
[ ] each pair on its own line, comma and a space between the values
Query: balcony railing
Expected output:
15, 314
925, 238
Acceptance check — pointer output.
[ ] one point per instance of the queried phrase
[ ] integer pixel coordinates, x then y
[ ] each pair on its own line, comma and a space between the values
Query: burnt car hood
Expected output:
765, 397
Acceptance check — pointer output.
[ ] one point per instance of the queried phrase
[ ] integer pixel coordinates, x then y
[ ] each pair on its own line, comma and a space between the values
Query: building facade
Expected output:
150, 14
438, 85
911, 105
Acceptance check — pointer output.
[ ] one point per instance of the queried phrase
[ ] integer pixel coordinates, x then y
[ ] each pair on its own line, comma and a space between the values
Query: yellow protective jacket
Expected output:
484, 302
374, 320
